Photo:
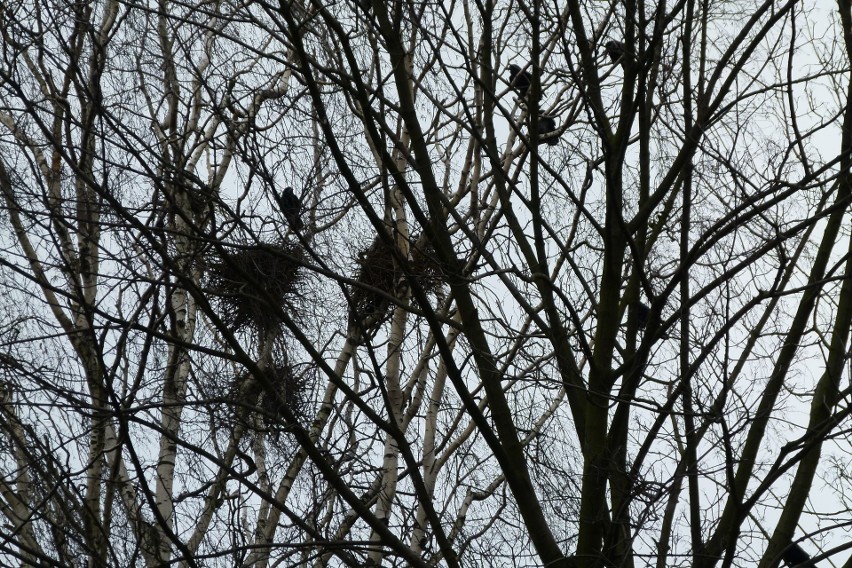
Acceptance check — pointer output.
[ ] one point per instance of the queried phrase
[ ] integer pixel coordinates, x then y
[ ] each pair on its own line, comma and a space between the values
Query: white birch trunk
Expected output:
267, 526
429, 469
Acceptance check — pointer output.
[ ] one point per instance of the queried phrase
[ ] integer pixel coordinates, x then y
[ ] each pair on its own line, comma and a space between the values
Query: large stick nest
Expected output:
281, 390
379, 274
252, 286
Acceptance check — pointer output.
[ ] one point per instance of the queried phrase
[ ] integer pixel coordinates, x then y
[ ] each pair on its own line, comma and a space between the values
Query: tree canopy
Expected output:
419, 284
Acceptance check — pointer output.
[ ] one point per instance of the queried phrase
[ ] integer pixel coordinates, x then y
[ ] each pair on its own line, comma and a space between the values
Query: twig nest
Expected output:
282, 391
263, 403
252, 286
380, 274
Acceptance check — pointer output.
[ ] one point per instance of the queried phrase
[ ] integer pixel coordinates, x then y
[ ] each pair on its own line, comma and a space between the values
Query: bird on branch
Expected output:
615, 50
642, 312
519, 79
795, 555
546, 126
291, 207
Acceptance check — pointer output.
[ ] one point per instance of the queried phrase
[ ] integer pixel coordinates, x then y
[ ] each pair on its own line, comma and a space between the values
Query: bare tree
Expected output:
552, 285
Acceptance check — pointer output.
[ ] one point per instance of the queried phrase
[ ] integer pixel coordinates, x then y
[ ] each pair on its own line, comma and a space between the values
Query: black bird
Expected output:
795, 555
546, 125
642, 313
519, 79
615, 50
290, 206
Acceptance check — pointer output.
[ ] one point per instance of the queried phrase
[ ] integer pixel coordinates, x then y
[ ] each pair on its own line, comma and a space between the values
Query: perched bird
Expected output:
290, 206
546, 125
519, 79
795, 555
615, 50
642, 313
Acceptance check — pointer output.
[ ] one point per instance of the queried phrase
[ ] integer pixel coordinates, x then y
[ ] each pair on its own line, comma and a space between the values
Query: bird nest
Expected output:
379, 273
279, 393
252, 286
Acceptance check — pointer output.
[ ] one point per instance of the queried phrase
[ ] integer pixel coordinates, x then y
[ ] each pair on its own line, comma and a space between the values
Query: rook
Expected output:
290, 206
546, 126
795, 555
642, 312
615, 50
519, 79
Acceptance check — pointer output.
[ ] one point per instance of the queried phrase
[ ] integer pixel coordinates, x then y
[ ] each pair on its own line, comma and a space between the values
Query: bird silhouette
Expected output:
795, 555
546, 125
519, 79
615, 50
291, 207
642, 313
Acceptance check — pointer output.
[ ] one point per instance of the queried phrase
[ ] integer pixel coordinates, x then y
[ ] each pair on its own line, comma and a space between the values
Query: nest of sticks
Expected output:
263, 404
253, 286
379, 275
279, 393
